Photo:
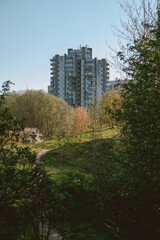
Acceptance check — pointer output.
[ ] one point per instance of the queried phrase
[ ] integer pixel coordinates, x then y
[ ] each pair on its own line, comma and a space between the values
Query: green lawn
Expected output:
70, 157
84, 137
73, 153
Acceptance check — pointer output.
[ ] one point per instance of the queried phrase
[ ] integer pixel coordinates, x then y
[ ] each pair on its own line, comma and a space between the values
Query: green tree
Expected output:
109, 108
27, 197
51, 115
140, 135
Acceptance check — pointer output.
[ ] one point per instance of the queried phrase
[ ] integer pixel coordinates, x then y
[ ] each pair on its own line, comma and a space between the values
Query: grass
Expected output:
71, 154
69, 158
83, 137
74, 155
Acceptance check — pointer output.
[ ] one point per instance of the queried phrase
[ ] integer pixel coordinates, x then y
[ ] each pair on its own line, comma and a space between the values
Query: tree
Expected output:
81, 120
52, 116
27, 195
140, 135
109, 108
137, 14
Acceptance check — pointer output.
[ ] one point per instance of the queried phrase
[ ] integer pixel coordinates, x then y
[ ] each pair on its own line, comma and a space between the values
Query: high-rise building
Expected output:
78, 78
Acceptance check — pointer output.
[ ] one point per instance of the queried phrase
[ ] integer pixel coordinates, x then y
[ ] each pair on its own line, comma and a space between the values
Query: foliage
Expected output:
27, 196
137, 14
81, 120
109, 109
106, 112
45, 112
80, 204
31, 203
140, 135
71, 165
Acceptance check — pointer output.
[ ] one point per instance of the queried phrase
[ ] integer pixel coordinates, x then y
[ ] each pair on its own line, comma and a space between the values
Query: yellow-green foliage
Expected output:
105, 111
48, 113
109, 106
81, 120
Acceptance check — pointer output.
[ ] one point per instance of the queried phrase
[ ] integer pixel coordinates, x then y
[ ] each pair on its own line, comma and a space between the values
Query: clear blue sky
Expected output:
32, 31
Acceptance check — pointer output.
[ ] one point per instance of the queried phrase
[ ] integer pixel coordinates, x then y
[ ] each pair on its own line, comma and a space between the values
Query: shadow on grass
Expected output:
79, 138
75, 157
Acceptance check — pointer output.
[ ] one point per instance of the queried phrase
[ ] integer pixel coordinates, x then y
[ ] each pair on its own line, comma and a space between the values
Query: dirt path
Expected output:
55, 236
39, 155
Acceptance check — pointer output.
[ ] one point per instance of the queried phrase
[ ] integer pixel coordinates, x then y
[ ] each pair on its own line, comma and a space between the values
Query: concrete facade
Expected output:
78, 78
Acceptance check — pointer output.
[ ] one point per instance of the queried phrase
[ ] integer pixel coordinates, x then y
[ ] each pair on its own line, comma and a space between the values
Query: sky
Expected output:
33, 31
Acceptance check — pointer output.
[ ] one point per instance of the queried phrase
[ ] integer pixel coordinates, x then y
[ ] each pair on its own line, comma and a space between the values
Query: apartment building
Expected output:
78, 78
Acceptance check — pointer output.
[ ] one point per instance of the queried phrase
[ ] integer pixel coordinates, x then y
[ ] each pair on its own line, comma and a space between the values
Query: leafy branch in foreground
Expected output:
27, 196
140, 135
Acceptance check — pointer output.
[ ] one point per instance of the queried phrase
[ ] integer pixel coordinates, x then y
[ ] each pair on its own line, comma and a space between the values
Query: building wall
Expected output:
61, 77
78, 78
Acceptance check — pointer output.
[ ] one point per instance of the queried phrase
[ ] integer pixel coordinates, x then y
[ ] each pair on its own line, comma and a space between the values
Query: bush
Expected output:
81, 120
45, 112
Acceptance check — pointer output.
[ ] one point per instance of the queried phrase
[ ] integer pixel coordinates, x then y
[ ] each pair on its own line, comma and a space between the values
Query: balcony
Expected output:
53, 75
53, 70
88, 74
